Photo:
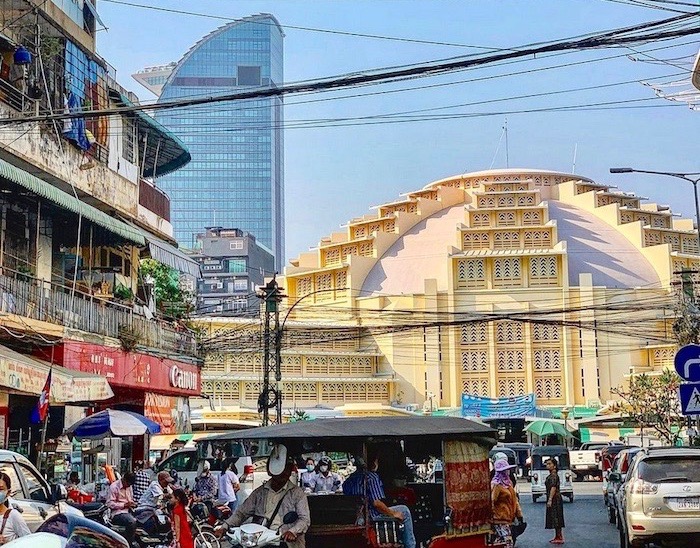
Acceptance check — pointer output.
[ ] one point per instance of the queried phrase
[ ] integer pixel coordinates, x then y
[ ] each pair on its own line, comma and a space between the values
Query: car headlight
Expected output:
248, 540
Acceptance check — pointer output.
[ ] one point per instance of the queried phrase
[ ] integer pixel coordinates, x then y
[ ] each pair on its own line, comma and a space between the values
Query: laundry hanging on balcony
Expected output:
74, 128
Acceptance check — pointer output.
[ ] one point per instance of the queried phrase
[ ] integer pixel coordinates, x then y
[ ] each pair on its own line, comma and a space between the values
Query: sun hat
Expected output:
502, 464
499, 456
277, 461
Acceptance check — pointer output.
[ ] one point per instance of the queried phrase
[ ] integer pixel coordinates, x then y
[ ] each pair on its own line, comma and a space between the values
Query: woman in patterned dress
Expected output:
554, 518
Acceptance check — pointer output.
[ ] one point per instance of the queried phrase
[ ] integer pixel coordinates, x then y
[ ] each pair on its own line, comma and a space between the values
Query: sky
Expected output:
335, 174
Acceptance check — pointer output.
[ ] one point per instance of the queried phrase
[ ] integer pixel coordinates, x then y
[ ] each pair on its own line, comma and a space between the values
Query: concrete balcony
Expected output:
25, 300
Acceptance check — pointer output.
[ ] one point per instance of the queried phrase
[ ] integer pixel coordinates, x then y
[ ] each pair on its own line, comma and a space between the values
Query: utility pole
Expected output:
271, 395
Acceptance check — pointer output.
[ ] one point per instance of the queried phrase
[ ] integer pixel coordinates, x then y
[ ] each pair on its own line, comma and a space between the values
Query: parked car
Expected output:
30, 493
186, 462
607, 458
660, 499
616, 478
585, 461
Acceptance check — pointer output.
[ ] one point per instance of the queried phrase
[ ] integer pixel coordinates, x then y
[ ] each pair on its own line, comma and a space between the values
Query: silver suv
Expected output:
660, 499
30, 493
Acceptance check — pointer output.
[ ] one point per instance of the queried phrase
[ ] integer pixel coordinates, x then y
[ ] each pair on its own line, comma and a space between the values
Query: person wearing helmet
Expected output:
325, 481
504, 502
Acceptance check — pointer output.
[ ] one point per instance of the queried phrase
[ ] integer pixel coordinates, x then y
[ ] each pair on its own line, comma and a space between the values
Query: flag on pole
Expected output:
42, 406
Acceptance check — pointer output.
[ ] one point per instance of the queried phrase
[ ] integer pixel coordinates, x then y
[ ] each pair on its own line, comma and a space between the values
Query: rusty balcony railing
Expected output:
40, 300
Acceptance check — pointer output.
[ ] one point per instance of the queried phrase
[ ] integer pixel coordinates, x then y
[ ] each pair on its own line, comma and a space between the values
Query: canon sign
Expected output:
187, 380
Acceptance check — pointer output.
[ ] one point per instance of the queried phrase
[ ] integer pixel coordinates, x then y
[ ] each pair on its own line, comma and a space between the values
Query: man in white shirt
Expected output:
156, 490
229, 485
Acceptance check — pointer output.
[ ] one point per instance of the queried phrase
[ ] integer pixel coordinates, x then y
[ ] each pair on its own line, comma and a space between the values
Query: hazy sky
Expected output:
333, 174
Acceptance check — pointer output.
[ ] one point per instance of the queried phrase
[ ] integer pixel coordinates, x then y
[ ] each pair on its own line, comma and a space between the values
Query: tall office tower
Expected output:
236, 176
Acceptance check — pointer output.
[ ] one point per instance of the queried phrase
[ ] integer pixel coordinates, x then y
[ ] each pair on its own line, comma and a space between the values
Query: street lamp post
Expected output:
565, 415
690, 177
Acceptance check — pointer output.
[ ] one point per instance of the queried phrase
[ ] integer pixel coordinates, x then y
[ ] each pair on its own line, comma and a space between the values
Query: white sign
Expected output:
187, 380
693, 407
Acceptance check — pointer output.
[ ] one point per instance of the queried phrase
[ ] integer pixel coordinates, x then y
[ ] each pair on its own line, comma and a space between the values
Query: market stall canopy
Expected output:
112, 423
27, 374
546, 428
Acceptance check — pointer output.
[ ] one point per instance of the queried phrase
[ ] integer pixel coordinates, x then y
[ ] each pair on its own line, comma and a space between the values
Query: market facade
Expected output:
497, 284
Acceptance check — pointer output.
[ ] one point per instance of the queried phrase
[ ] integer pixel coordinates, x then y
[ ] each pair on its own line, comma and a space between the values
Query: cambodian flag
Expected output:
42, 406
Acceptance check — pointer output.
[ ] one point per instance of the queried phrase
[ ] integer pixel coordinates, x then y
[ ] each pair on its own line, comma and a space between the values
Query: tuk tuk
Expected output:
454, 513
538, 471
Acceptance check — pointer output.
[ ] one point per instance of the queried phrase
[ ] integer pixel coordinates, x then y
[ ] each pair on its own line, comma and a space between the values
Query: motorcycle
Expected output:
251, 535
153, 528
202, 531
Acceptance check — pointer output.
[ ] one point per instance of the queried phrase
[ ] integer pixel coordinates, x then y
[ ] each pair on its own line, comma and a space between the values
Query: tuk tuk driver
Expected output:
374, 493
276, 501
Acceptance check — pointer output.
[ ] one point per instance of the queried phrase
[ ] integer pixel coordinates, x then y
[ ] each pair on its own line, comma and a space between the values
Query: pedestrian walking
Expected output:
554, 518
229, 485
504, 502
181, 524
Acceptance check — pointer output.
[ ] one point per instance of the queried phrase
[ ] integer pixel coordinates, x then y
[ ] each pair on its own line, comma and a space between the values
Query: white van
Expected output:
188, 466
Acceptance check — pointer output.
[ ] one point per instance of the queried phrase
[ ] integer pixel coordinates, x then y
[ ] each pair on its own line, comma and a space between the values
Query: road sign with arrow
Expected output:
687, 362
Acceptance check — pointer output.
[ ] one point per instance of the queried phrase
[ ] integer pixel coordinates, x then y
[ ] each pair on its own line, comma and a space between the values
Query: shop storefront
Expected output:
156, 387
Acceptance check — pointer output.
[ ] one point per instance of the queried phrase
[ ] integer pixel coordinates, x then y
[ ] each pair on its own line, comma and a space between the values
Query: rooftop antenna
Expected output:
573, 169
505, 132
498, 147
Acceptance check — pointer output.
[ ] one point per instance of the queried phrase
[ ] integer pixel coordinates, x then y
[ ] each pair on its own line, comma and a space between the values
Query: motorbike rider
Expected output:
120, 500
152, 496
275, 499
205, 484
325, 481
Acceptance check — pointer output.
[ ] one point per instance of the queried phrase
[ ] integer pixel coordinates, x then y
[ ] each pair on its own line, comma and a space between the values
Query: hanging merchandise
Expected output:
22, 56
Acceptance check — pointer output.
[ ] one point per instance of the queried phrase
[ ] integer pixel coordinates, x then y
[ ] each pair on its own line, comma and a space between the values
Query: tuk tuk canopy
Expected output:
540, 455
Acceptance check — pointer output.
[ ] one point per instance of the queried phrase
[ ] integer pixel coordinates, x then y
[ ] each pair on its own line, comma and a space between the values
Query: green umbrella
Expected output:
545, 428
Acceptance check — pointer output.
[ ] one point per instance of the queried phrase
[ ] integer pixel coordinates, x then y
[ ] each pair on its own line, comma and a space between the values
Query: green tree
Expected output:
651, 401
171, 299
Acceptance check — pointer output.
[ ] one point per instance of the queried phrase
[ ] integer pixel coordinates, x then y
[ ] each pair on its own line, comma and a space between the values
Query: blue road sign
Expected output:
687, 362
690, 398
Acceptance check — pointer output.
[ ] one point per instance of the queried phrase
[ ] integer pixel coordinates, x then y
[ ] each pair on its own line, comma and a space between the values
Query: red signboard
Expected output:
130, 369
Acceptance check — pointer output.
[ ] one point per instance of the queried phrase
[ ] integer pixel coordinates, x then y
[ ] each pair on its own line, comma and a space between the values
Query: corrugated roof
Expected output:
68, 202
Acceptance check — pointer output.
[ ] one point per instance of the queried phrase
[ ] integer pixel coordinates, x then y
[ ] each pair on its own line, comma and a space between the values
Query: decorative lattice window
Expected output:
291, 365
487, 201
663, 357
474, 360
507, 272
506, 240
251, 390
626, 217
652, 238
545, 332
304, 286
324, 286
548, 388
506, 201
375, 227
243, 362
481, 219
474, 333
543, 271
538, 239
359, 232
475, 387
531, 218
547, 359
332, 392
506, 218
471, 273
508, 332
347, 251
475, 240
527, 200
214, 363
510, 360
644, 218
660, 221
362, 365
390, 226
332, 256
679, 264
690, 245
377, 392
228, 391
673, 239
341, 279
366, 249
511, 386
412, 207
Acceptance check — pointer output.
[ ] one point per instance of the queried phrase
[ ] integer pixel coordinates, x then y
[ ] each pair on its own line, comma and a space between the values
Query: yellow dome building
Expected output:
496, 283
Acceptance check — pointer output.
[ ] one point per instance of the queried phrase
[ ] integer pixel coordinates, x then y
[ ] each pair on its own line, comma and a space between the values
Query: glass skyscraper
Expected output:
236, 176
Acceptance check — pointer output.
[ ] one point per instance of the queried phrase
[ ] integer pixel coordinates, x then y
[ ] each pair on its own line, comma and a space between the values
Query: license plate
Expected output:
685, 503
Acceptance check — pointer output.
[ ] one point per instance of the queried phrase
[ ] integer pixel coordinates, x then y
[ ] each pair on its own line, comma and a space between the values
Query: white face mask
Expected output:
310, 467
3, 497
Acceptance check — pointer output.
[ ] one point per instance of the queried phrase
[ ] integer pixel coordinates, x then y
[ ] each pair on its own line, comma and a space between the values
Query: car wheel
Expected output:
611, 515
534, 498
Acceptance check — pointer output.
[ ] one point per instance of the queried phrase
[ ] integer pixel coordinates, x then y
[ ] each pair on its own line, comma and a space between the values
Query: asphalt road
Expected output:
586, 521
